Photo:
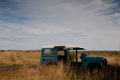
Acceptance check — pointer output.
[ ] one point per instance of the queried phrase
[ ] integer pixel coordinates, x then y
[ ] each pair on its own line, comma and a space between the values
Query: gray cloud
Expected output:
52, 22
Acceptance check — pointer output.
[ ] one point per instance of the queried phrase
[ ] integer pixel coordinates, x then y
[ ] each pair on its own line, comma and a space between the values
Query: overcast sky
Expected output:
31, 24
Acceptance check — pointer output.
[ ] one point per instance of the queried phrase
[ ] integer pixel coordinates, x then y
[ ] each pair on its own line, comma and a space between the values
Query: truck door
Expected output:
48, 56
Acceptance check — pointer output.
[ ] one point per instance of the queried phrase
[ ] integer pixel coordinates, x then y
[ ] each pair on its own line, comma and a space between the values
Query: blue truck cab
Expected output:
57, 54
48, 56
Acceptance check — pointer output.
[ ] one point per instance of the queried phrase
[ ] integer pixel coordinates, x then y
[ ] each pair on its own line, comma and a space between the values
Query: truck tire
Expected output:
93, 66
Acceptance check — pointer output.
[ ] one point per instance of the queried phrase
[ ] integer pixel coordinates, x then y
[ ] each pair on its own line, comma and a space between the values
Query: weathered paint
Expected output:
86, 60
47, 58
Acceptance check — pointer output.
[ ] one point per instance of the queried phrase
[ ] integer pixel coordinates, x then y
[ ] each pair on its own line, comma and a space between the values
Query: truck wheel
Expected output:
93, 67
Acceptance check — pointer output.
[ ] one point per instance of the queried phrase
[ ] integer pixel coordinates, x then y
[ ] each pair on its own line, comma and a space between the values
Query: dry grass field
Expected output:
25, 65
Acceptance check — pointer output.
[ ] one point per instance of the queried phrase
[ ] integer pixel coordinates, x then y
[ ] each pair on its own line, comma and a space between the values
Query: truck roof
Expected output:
65, 47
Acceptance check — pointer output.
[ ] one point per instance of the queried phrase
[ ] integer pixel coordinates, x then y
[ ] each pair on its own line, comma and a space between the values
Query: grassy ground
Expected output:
25, 65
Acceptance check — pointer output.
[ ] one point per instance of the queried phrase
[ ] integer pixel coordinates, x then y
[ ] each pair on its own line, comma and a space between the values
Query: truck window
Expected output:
48, 51
61, 53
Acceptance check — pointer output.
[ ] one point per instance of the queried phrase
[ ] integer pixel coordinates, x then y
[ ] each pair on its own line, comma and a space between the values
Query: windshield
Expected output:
48, 51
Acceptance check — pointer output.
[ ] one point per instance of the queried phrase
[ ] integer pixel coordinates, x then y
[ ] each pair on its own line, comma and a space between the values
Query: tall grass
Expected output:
30, 68
19, 57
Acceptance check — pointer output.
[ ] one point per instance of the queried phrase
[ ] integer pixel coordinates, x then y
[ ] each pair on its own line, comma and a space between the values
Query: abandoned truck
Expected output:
57, 54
